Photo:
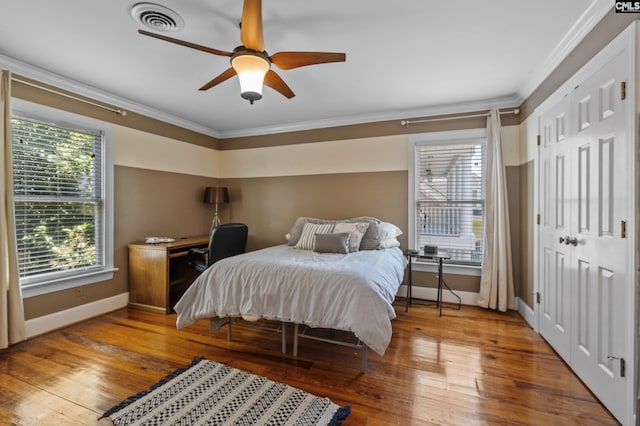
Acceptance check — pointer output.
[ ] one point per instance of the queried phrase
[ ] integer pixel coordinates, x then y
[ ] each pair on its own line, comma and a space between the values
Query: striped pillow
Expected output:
308, 237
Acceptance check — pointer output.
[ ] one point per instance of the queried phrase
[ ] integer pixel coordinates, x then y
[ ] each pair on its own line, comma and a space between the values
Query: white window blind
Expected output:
59, 201
449, 199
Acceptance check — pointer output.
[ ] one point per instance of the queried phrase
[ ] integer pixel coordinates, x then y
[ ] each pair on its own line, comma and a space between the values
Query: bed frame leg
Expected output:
229, 329
284, 337
295, 339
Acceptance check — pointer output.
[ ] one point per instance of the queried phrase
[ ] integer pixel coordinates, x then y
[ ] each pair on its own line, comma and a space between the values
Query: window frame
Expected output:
465, 136
45, 283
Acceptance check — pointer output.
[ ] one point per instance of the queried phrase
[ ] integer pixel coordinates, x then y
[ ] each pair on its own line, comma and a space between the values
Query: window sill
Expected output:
50, 286
448, 268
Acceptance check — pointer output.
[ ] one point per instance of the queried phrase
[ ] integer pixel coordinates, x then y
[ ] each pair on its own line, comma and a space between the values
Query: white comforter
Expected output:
351, 292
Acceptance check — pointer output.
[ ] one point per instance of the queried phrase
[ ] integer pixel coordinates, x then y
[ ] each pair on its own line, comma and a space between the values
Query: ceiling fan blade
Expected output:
274, 81
290, 60
219, 79
251, 28
186, 43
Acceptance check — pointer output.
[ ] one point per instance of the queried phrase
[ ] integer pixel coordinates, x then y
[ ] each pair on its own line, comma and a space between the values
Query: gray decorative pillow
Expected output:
332, 243
296, 229
307, 240
371, 238
357, 231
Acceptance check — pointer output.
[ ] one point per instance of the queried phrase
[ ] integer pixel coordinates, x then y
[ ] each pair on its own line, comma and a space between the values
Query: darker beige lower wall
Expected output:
527, 228
147, 202
151, 202
515, 221
460, 283
270, 205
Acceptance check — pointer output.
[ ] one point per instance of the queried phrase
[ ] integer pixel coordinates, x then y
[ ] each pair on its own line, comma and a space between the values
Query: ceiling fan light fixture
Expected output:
251, 69
249, 61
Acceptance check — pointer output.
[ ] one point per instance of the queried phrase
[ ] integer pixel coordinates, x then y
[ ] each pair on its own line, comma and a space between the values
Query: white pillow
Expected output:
389, 243
357, 231
388, 230
307, 239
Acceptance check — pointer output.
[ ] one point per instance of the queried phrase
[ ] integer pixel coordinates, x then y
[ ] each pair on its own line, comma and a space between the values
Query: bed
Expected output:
351, 292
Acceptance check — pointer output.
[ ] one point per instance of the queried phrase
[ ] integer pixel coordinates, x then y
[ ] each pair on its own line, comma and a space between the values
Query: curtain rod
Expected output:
406, 123
119, 112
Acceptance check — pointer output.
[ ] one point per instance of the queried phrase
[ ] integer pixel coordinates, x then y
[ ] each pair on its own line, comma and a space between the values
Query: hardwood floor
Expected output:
468, 367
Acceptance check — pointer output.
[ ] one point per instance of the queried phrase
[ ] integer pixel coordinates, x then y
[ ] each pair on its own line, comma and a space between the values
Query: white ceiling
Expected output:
405, 58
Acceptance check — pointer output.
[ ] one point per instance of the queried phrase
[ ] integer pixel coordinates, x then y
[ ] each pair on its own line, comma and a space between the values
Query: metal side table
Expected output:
439, 258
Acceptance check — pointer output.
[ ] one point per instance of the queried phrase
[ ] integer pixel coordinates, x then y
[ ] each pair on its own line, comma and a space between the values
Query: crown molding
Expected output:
457, 108
47, 77
586, 23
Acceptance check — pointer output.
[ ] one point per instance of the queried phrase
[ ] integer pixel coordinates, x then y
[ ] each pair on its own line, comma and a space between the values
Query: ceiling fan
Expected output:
251, 62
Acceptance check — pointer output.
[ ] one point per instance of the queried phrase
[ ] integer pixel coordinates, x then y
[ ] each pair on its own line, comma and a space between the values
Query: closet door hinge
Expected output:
538, 219
538, 140
623, 371
623, 90
538, 297
623, 229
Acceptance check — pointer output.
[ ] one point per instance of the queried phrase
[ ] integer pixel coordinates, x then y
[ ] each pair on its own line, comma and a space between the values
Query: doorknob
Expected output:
561, 240
571, 241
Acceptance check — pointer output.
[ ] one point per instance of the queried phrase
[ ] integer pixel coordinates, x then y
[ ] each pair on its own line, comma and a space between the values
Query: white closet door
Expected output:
555, 301
599, 260
585, 187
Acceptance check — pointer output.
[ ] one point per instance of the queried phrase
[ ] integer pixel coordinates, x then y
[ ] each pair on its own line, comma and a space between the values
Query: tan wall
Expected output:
527, 220
158, 187
130, 120
155, 194
147, 202
270, 205
513, 174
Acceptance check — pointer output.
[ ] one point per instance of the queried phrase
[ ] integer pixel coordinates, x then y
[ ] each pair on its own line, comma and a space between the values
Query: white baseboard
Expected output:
468, 298
57, 320
526, 312
429, 293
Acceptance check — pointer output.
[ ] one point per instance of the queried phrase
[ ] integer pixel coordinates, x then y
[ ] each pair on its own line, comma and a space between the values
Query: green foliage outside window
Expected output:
57, 193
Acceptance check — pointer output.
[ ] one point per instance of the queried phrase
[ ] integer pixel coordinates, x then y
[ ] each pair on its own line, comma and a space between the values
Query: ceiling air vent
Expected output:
156, 17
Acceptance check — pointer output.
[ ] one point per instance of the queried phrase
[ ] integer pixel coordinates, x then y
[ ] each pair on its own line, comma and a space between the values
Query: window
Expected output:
446, 193
62, 194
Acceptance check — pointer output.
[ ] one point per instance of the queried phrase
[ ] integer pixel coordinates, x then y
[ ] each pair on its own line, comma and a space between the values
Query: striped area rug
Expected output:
211, 393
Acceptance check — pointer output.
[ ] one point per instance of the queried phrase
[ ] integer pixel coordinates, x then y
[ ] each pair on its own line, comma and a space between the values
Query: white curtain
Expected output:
496, 280
12, 328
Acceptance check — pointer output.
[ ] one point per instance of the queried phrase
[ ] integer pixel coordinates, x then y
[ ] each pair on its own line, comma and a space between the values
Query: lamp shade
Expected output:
216, 195
251, 70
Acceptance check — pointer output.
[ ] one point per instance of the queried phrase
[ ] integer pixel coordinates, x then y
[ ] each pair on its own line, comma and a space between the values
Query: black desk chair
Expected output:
226, 240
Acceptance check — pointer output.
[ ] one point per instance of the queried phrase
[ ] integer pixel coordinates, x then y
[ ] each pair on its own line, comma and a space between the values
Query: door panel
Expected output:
600, 258
555, 286
583, 198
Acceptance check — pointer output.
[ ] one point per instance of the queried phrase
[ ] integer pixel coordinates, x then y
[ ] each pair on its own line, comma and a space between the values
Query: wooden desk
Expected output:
159, 273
